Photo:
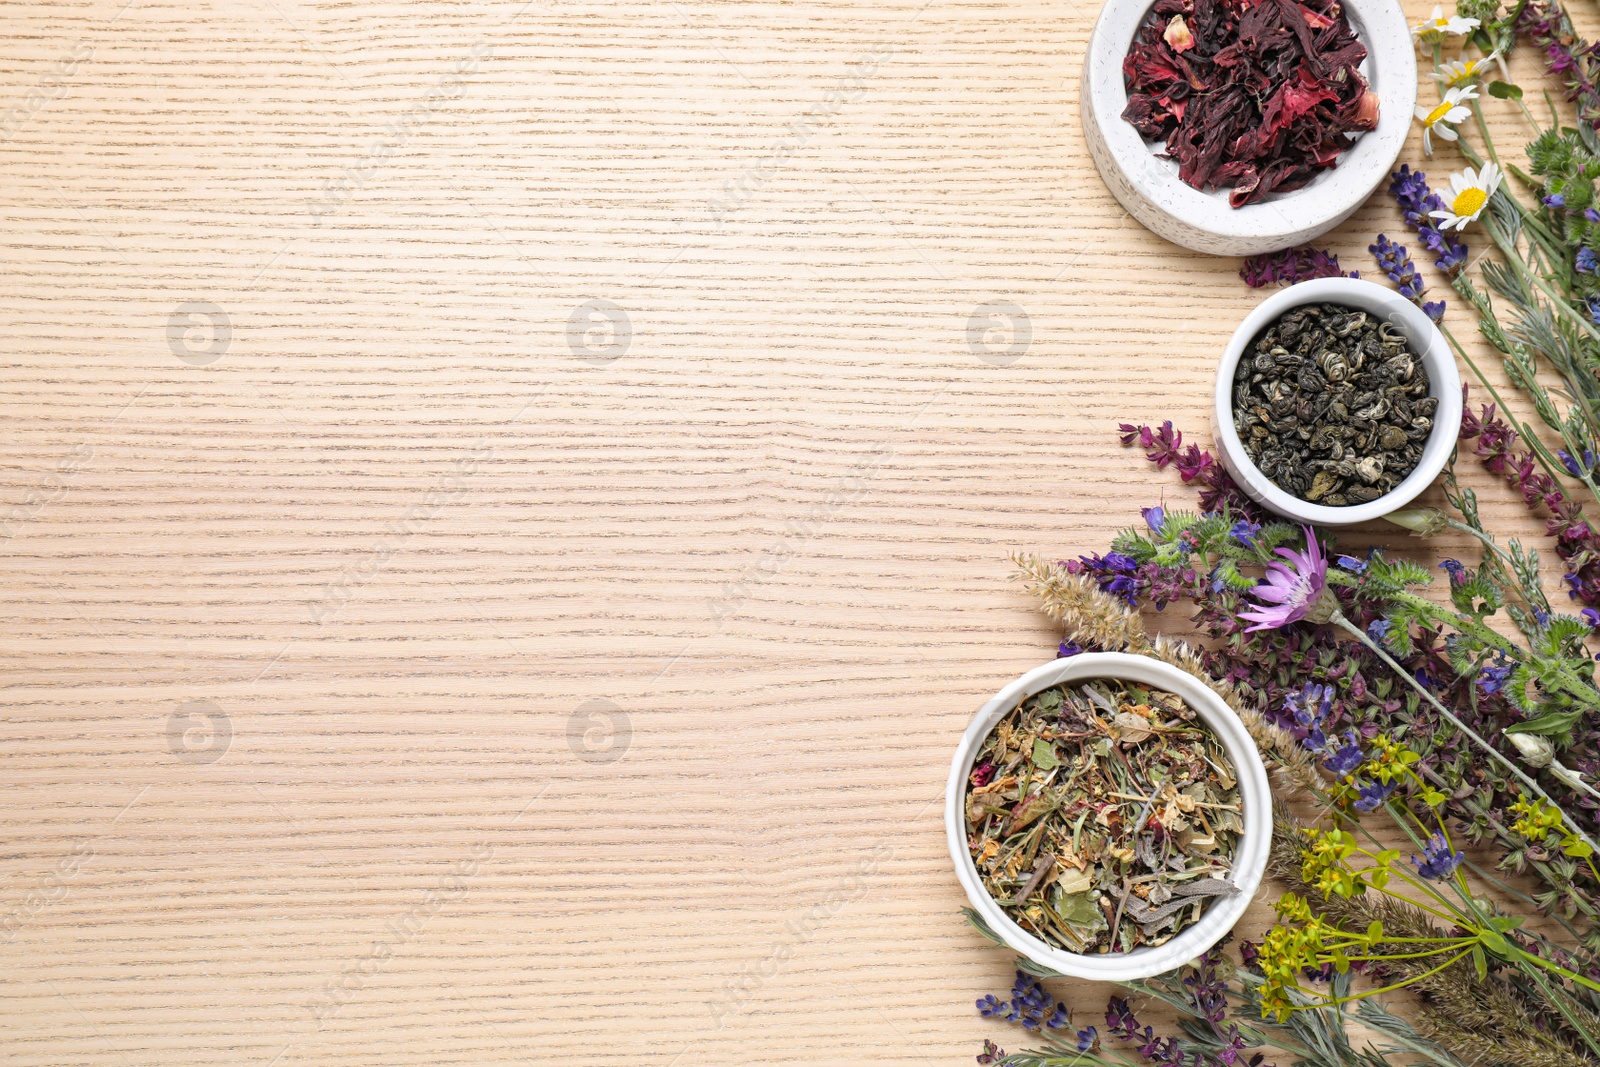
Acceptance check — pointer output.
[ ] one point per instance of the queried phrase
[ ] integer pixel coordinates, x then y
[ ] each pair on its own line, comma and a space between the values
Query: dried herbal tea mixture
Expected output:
1257, 96
1332, 405
1103, 816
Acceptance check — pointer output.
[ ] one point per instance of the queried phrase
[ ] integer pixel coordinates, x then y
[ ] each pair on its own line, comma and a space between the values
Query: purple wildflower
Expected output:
1290, 266
1030, 1006
1434, 309
1116, 573
1068, 648
1088, 1039
1592, 617
1308, 709
1155, 518
1455, 569
1492, 678
1438, 861
1353, 565
1395, 261
991, 1053
1570, 462
1291, 591
1592, 306
1555, 200
1591, 214
1586, 262
1245, 532
1416, 200
1347, 758
1370, 797
1378, 630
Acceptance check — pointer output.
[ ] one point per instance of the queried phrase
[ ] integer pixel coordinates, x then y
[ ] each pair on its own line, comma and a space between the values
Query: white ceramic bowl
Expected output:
1149, 187
1249, 862
1425, 340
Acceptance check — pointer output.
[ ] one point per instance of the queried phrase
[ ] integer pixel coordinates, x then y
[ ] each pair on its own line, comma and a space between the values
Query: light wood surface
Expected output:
387, 684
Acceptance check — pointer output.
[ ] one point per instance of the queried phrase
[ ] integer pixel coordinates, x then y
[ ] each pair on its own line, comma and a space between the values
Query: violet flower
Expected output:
1290, 266
1438, 861
1294, 590
1347, 759
1155, 518
1585, 262
1069, 648
1370, 797
1245, 532
1416, 200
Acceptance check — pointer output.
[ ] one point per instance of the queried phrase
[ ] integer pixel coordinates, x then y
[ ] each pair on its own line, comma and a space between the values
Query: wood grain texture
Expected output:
400, 672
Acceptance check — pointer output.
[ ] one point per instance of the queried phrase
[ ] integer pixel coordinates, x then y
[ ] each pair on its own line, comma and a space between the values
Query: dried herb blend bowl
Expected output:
1423, 339
1250, 857
1150, 189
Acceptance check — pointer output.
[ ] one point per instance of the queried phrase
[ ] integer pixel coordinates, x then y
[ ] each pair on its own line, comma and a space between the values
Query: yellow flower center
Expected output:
1437, 113
1469, 202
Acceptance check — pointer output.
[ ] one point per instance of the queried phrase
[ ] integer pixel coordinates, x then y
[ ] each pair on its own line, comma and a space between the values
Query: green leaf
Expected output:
1374, 932
1038, 970
1480, 961
1504, 91
1079, 909
982, 927
1548, 724
1044, 755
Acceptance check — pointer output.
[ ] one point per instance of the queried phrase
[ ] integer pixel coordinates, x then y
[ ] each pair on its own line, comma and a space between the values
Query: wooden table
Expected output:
505, 513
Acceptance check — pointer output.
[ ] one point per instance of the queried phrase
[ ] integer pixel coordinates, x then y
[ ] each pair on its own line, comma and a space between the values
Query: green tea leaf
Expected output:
1079, 910
1504, 91
1044, 755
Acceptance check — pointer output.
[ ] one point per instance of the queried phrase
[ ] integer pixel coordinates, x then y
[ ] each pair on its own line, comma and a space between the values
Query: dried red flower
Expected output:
1255, 96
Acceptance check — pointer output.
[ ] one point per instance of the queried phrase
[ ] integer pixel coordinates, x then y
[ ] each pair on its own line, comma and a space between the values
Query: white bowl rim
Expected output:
1250, 858
1329, 198
1443, 377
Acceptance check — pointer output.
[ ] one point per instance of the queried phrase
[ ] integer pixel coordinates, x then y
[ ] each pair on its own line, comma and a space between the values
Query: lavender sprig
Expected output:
1395, 261
1410, 190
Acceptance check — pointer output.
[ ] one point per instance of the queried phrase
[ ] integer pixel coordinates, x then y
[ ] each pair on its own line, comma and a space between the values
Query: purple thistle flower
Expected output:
1290, 590
1410, 190
1370, 797
1245, 532
1437, 859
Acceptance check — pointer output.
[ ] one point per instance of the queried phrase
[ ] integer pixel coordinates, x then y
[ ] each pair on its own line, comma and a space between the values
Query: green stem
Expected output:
1391, 988
1450, 716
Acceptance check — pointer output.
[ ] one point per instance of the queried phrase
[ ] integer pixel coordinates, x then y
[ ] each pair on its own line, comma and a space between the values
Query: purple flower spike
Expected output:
1416, 200
1291, 590
1438, 861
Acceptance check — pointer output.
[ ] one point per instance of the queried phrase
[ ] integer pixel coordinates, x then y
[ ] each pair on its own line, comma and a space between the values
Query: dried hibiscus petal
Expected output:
1255, 97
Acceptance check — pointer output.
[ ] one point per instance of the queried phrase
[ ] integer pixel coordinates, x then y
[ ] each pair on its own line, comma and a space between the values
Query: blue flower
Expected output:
1245, 532
1592, 617
1437, 859
1434, 309
1155, 518
1592, 306
1309, 710
1574, 468
1088, 1039
1586, 262
1378, 630
1425, 679
1116, 574
1455, 569
1542, 618
1492, 678
1372, 796
1591, 214
1353, 565
1555, 200
1410, 190
1068, 648
1347, 758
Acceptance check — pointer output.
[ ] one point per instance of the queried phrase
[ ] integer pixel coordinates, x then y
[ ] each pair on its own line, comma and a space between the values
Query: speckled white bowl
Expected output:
1149, 187
1249, 861
1424, 339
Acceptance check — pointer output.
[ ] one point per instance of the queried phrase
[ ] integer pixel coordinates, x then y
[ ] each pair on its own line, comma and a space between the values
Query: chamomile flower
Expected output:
1463, 72
1437, 27
1441, 120
1469, 195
